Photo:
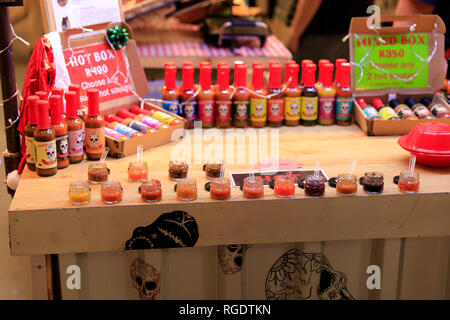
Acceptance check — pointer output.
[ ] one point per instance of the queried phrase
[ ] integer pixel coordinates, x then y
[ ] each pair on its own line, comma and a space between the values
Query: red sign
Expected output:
99, 67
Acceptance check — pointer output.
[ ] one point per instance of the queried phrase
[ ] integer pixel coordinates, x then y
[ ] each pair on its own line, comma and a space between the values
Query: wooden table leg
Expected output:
53, 278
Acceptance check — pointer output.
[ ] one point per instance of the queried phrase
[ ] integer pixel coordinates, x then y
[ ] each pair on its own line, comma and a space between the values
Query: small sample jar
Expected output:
187, 189
178, 170
213, 169
137, 172
314, 186
111, 192
346, 185
373, 182
408, 183
220, 189
79, 193
151, 190
97, 173
253, 188
284, 187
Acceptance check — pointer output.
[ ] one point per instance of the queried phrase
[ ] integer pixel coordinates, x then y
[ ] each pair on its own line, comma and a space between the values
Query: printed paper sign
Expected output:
269, 176
381, 65
99, 67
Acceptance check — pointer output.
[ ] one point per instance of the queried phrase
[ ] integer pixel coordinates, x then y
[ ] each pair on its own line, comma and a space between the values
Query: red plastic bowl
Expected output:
433, 160
430, 138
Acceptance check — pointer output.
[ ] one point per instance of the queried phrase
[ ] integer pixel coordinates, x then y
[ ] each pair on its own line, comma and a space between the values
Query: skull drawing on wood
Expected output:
232, 257
146, 279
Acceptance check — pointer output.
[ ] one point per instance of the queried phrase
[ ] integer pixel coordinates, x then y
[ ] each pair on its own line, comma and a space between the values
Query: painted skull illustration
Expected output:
345, 107
310, 108
189, 111
223, 110
146, 279
275, 108
208, 110
173, 108
259, 108
232, 257
51, 153
328, 107
64, 146
294, 108
94, 139
79, 142
305, 276
241, 110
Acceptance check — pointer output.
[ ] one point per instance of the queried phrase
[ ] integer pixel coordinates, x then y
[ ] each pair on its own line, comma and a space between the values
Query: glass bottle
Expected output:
327, 95
94, 127
29, 132
222, 97
309, 100
169, 91
344, 97
275, 104
75, 128
258, 102
292, 96
45, 142
206, 107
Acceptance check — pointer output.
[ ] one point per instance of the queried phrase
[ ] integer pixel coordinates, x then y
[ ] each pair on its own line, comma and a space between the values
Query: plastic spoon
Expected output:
139, 154
412, 164
352, 168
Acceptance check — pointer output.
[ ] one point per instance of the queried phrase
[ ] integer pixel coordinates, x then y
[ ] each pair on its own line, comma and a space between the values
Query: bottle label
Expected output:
310, 108
112, 134
163, 117
206, 110
172, 106
151, 122
123, 129
275, 110
62, 147
190, 111
422, 112
240, 110
344, 107
404, 112
138, 126
30, 149
95, 140
371, 112
326, 108
258, 110
46, 154
223, 110
76, 143
292, 108
387, 113
438, 110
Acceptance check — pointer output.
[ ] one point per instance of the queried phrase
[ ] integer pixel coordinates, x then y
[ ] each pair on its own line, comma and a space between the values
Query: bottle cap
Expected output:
56, 108
426, 101
223, 77
410, 102
32, 109
170, 75
112, 118
58, 92
75, 88
93, 103
204, 63
326, 70
362, 103
124, 113
169, 63
345, 75
287, 63
43, 95
240, 75
222, 63
205, 76
72, 102
258, 77
377, 103
187, 63
393, 103
188, 77
275, 75
293, 75
310, 75
339, 62
305, 62
44, 120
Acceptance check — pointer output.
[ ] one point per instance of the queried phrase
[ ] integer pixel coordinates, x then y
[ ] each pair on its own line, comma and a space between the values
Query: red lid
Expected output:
137, 110
345, 75
34, 86
205, 76
362, 103
58, 92
432, 138
254, 63
43, 95
258, 77
310, 75
275, 75
322, 63
222, 63
240, 75
205, 63
74, 87
188, 78
32, 109
72, 103
56, 108
286, 69
327, 74
43, 118
169, 63
112, 118
377, 103
93, 103
305, 62
339, 62
124, 113
223, 77
293, 75
170, 77
187, 63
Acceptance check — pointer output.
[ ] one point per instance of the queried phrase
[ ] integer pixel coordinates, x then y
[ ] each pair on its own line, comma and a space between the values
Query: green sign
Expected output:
395, 61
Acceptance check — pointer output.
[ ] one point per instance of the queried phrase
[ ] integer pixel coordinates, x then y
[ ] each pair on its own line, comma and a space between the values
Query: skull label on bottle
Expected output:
62, 147
292, 108
240, 110
258, 110
344, 107
30, 150
206, 110
326, 108
223, 110
310, 108
46, 154
275, 110
172, 106
95, 140
76, 143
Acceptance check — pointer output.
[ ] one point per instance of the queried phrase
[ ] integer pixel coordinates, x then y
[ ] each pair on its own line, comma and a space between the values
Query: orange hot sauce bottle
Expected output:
187, 97
327, 95
275, 104
75, 128
169, 91
29, 132
344, 97
45, 142
338, 64
206, 97
319, 82
292, 96
76, 88
310, 100
95, 127
241, 98
258, 102
223, 97
60, 128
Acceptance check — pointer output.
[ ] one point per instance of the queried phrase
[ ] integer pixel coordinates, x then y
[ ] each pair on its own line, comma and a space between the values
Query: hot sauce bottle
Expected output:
310, 100
123, 129
305, 62
206, 98
344, 97
147, 120
437, 109
45, 142
223, 97
292, 96
158, 115
136, 125
275, 105
241, 98
287, 63
322, 63
258, 102
29, 132
95, 127
419, 109
370, 111
169, 90
75, 128
76, 88
60, 128
385, 112
187, 93
327, 95
338, 64
404, 112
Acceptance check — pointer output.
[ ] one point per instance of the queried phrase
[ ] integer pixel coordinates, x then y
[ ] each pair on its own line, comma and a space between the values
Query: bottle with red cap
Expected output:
187, 97
76, 88
123, 129
309, 101
258, 100
370, 111
344, 97
206, 97
319, 82
241, 98
222, 97
129, 122
293, 93
338, 64
385, 111
327, 95
158, 115
94, 127
287, 63
29, 132
305, 62
75, 128
45, 142
60, 127
147, 120
169, 90
275, 104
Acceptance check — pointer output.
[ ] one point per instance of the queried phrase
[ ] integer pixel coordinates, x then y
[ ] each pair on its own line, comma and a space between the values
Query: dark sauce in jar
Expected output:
314, 186
178, 170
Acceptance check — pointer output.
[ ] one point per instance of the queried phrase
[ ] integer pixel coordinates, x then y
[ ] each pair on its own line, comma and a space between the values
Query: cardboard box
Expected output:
434, 28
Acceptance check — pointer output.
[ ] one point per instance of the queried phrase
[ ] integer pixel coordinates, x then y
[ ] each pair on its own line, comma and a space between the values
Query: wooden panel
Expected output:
38, 277
390, 269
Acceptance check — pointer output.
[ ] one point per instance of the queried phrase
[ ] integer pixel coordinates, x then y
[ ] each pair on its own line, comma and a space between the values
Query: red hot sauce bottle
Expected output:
241, 98
29, 132
310, 100
60, 128
206, 97
169, 91
95, 127
223, 97
45, 142
258, 101
187, 93
275, 105
75, 128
